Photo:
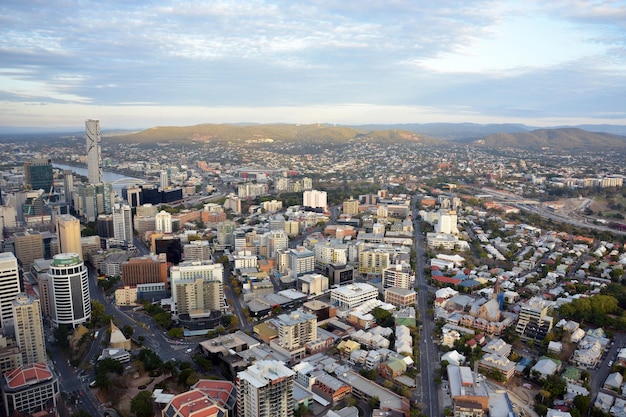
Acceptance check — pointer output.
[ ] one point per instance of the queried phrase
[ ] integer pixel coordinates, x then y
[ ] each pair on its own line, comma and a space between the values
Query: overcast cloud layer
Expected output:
138, 64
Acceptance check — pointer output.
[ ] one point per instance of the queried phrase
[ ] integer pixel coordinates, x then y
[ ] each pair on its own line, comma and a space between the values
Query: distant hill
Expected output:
271, 133
560, 138
452, 131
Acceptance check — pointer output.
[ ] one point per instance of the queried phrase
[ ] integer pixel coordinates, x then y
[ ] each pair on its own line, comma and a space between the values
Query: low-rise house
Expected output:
330, 388
546, 367
453, 358
603, 402
588, 357
614, 381
392, 368
498, 347
491, 362
555, 347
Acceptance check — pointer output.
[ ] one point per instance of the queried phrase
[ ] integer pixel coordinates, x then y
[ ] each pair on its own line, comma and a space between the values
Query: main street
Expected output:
429, 393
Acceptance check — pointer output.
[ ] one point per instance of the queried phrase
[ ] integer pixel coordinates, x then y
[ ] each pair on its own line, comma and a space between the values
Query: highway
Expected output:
429, 392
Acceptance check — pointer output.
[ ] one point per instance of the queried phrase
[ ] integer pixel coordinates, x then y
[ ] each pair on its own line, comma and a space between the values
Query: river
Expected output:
107, 176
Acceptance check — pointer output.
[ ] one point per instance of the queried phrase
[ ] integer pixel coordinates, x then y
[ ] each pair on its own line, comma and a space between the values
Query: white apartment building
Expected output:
272, 242
301, 261
296, 329
245, 259
163, 222
265, 389
447, 222
399, 276
197, 285
353, 295
313, 284
123, 222
330, 252
272, 206
9, 286
233, 203
315, 199
373, 261
29, 329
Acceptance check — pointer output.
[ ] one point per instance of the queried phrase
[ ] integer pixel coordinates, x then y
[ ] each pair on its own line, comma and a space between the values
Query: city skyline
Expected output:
137, 65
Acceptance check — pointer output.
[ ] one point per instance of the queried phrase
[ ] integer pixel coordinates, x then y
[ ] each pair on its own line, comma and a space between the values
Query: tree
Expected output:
150, 359
98, 315
374, 402
175, 333
128, 331
582, 403
142, 404
106, 369
350, 401
61, 335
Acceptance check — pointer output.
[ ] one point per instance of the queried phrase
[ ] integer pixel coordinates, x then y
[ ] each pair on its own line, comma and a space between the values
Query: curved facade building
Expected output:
71, 301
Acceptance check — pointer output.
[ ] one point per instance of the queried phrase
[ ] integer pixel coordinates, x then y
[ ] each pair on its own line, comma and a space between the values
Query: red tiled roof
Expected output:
194, 404
219, 391
28, 375
447, 280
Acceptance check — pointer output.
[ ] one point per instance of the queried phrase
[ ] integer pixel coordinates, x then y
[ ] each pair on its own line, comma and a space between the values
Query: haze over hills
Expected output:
563, 138
309, 134
485, 135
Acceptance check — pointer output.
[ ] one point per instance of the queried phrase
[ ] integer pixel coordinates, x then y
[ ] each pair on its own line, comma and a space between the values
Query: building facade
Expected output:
71, 299
197, 286
68, 234
94, 151
265, 389
9, 286
29, 329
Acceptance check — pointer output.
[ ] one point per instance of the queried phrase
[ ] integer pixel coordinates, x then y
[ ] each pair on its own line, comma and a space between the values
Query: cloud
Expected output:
488, 57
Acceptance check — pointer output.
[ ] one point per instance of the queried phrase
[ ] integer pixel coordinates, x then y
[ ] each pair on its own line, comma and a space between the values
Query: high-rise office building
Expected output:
68, 234
28, 247
71, 300
38, 174
94, 151
29, 329
123, 223
164, 179
265, 389
68, 186
9, 286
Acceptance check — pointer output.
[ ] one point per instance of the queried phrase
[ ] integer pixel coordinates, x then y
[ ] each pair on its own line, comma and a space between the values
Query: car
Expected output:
189, 350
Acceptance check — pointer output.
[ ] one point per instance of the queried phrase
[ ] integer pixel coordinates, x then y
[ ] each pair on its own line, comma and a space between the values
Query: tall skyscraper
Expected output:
123, 222
94, 151
71, 300
38, 174
265, 389
29, 329
68, 234
9, 286
68, 186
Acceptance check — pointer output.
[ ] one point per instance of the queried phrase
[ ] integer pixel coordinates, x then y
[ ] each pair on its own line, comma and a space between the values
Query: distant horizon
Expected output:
5, 130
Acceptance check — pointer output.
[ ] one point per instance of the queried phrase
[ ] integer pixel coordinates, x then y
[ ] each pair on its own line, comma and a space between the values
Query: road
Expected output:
429, 392
74, 381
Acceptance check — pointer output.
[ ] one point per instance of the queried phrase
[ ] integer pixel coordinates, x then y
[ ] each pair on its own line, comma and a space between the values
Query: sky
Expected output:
139, 64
